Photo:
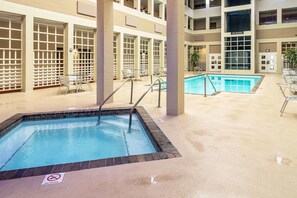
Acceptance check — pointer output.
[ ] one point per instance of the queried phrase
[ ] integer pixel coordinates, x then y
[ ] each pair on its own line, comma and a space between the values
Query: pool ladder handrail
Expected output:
138, 101
131, 97
162, 81
206, 75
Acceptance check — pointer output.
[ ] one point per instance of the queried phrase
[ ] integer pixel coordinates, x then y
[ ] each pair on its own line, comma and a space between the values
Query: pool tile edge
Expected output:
167, 149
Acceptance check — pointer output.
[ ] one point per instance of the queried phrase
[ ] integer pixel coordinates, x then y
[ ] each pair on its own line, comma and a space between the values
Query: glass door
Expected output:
267, 62
215, 62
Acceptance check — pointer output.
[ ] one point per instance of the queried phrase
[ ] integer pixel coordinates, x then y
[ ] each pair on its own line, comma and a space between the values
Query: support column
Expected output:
150, 7
207, 63
175, 53
151, 57
279, 16
137, 53
121, 2
104, 49
186, 22
28, 53
207, 4
162, 53
137, 4
279, 57
121, 54
69, 29
186, 57
162, 11
207, 21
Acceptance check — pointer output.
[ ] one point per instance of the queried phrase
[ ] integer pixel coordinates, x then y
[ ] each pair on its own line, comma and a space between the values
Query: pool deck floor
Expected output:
232, 145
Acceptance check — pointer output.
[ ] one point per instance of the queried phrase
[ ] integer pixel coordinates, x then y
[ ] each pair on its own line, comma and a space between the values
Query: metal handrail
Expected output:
131, 97
162, 81
138, 101
206, 75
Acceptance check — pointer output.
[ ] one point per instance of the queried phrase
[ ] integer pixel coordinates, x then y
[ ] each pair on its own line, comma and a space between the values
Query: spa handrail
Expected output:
131, 97
138, 101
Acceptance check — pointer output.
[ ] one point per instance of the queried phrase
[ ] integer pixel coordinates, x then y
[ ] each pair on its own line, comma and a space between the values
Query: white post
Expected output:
151, 7
137, 55
121, 54
69, 33
28, 53
151, 57
104, 50
175, 54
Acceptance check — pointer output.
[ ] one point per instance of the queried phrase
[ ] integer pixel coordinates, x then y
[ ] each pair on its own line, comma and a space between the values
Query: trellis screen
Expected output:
10, 53
83, 61
48, 54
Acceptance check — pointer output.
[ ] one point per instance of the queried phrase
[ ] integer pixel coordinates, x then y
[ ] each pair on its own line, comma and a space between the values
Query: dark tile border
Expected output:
165, 149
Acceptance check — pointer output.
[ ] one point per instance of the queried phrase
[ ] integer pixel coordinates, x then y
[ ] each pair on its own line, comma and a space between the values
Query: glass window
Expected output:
199, 4
239, 21
129, 3
214, 3
200, 24
189, 4
268, 17
237, 2
238, 53
289, 15
214, 22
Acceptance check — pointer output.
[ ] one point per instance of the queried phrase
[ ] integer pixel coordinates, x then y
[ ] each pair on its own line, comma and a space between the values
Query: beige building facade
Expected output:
41, 40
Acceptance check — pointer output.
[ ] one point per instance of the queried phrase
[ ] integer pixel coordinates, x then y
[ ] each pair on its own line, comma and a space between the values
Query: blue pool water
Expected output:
226, 83
49, 142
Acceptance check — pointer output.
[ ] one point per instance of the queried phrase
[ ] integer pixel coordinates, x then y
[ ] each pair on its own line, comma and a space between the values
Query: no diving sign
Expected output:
53, 178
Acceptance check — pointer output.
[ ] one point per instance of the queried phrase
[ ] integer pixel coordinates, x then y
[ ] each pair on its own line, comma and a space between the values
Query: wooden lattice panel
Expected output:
144, 56
156, 51
48, 54
128, 59
83, 60
10, 54
115, 57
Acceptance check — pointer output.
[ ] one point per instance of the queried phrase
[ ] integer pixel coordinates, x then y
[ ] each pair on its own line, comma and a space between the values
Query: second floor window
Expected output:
289, 15
268, 17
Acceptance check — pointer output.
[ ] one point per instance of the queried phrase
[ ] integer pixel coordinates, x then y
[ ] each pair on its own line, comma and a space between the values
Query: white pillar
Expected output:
207, 58
207, 23
207, 4
137, 54
151, 57
122, 2
175, 54
28, 53
121, 54
279, 57
279, 16
69, 33
162, 10
162, 53
186, 56
104, 49
151, 7
137, 4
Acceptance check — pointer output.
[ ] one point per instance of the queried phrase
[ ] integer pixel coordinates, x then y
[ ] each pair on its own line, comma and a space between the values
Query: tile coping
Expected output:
165, 149
253, 91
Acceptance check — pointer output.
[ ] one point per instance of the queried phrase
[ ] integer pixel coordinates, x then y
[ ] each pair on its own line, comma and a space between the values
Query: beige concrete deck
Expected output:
229, 143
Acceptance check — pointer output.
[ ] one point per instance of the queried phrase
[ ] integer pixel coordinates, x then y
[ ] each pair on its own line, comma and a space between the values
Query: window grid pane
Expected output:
10, 55
48, 54
83, 56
